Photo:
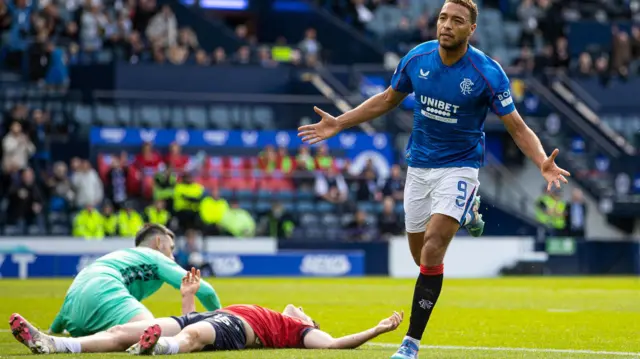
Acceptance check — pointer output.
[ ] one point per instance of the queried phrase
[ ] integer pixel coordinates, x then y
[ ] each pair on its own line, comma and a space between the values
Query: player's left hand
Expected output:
552, 173
190, 283
391, 323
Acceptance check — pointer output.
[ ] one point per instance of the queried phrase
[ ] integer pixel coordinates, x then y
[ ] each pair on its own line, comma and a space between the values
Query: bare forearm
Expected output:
354, 340
188, 304
372, 108
529, 144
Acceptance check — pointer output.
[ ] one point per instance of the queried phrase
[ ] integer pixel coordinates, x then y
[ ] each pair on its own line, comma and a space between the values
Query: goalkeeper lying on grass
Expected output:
235, 327
108, 292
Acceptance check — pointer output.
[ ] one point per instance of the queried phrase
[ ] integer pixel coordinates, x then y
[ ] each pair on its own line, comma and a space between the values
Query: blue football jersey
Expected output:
451, 105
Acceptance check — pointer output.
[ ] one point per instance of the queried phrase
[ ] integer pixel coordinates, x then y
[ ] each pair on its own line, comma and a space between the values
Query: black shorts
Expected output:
230, 333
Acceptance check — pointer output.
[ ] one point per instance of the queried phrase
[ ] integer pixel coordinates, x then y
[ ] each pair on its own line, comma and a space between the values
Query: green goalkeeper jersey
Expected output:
142, 271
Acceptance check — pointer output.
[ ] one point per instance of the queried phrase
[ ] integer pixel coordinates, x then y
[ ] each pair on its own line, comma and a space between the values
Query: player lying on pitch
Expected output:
234, 327
108, 292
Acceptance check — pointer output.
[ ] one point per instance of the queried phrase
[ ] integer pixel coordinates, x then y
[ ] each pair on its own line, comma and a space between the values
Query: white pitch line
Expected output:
5, 330
505, 349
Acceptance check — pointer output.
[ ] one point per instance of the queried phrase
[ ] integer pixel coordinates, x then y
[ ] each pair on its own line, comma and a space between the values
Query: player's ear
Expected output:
473, 29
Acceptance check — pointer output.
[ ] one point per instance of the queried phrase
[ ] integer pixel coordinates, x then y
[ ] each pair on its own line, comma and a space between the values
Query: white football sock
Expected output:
167, 345
414, 341
67, 345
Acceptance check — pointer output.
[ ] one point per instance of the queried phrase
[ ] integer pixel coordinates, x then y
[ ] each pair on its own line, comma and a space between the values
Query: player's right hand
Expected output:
190, 283
391, 323
326, 128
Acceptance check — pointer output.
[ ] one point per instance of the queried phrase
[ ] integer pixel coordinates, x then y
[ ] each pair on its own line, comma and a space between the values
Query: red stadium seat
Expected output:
104, 163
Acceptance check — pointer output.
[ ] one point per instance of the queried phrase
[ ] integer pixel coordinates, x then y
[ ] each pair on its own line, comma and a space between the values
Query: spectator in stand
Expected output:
69, 35
59, 188
635, 49
157, 213
201, 58
394, 185
323, 160
163, 184
310, 45
620, 53
148, 159
562, 58
116, 183
88, 186
144, 11
264, 57
163, 28
362, 13
190, 254
93, 23
219, 56
389, 223
281, 51
268, 159
5, 18
242, 32
40, 131
277, 223
359, 230
368, 187
285, 164
528, 14
576, 214
243, 56
16, 149
331, 187
25, 202
20, 30
602, 69
544, 60
584, 68
89, 224
187, 196
117, 33
177, 55
175, 159
188, 39
135, 51
525, 63
129, 221
304, 160
110, 220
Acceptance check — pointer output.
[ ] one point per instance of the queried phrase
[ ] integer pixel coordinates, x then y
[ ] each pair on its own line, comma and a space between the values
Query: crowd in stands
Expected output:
44, 37
272, 193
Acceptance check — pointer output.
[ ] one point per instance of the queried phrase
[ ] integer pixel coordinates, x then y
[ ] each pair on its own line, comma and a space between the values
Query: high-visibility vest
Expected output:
156, 216
182, 190
129, 223
89, 224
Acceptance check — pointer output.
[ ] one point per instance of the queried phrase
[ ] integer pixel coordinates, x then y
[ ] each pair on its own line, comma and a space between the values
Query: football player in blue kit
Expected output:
455, 85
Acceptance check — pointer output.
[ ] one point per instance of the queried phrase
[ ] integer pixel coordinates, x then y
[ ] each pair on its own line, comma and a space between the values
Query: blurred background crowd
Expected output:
55, 181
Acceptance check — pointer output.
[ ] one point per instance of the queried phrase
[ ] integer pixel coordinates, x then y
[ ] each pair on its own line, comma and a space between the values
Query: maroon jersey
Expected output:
275, 330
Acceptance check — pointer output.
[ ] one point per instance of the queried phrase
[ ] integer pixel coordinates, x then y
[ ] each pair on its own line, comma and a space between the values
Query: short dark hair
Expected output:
150, 230
470, 5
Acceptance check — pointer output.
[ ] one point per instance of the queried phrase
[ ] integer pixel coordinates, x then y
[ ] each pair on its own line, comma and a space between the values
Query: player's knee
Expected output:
192, 339
121, 337
435, 247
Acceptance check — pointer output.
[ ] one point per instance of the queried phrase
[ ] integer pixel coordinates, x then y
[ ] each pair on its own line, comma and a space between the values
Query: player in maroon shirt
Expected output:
235, 327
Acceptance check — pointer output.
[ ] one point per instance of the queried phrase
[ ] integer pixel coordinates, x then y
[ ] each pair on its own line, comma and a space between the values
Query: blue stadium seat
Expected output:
226, 193
263, 206
284, 195
377, 207
308, 219
334, 234
265, 194
106, 116
305, 206
288, 206
177, 117
244, 194
11, 230
82, 114
150, 116
246, 205
196, 117
365, 206
346, 219
60, 230
325, 207
305, 195
314, 233
399, 208
330, 220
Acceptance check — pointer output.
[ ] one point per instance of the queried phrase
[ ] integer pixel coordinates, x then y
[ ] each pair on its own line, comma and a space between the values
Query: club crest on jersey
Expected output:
466, 86
424, 74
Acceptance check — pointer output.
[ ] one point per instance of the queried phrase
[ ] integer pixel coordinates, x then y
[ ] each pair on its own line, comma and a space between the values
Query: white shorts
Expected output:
448, 191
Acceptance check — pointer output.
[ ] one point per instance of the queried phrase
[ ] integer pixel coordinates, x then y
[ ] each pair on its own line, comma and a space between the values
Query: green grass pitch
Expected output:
560, 318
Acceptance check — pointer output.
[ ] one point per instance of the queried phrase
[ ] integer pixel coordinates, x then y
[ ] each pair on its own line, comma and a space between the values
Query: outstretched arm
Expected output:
530, 145
170, 272
317, 339
188, 289
372, 108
